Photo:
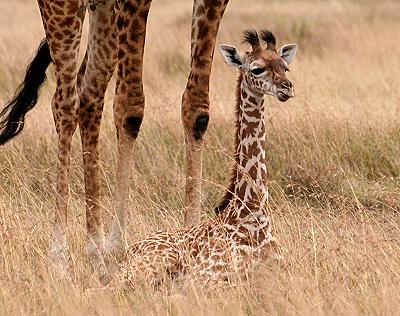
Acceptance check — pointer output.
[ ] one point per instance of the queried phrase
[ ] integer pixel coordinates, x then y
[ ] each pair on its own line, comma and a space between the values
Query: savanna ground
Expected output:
333, 160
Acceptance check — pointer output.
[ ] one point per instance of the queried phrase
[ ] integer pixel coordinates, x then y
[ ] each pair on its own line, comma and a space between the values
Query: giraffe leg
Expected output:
195, 101
128, 103
93, 79
62, 21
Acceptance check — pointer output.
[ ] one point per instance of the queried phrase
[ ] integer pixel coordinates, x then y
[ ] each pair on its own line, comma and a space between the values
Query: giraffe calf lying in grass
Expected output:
216, 250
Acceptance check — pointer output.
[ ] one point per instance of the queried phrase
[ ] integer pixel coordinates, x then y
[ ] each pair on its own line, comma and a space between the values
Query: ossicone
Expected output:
269, 39
251, 37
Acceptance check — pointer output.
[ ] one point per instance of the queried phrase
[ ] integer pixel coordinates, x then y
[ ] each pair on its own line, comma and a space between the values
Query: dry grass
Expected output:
334, 166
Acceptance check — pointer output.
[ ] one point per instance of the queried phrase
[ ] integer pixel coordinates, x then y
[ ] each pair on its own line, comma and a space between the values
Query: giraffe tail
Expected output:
12, 116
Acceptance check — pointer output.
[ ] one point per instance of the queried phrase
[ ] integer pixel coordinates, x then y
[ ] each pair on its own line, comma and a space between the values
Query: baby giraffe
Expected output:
217, 250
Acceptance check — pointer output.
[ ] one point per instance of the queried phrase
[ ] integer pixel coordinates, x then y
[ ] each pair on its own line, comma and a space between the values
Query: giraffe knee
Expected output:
132, 125
200, 126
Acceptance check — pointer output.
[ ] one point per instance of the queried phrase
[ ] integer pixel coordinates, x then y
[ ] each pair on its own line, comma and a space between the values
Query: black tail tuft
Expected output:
13, 114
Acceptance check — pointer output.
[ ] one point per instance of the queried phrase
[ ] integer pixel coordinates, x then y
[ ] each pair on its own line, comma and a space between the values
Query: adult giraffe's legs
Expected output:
94, 76
206, 18
62, 22
128, 102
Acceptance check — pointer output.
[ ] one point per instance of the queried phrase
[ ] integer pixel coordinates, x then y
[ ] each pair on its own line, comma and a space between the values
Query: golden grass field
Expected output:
334, 166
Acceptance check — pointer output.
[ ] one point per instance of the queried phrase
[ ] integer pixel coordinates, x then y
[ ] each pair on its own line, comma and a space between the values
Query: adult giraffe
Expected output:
117, 30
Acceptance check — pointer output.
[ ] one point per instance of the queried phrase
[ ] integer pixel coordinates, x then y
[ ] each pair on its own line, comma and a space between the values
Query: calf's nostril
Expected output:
287, 84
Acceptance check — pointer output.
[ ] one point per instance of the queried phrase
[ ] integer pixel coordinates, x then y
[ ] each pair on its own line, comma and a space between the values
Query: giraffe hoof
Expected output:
101, 262
98, 259
61, 264
60, 256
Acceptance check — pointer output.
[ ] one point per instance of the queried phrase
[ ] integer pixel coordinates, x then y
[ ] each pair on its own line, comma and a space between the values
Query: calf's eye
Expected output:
257, 71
